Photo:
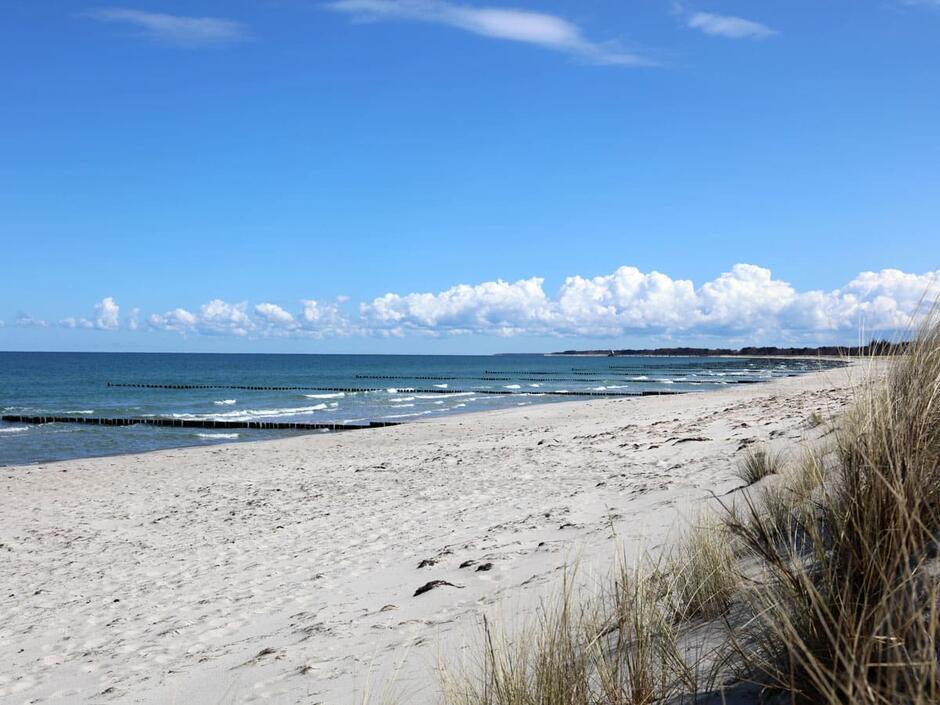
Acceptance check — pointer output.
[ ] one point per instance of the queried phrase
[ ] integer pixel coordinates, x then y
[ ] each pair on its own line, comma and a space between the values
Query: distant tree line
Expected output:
875, 347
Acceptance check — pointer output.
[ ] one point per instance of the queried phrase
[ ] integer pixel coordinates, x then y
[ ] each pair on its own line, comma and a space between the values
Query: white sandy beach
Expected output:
284, 571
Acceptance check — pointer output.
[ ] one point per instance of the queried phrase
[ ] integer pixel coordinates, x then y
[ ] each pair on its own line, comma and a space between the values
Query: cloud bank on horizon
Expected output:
745, 302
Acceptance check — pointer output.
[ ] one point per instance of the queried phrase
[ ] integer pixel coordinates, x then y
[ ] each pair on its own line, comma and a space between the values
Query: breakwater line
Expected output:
436, 378
196, 423
403, 390
582, 379
485, 379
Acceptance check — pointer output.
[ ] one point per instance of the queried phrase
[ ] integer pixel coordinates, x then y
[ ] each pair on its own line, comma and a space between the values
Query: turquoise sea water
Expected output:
77, 384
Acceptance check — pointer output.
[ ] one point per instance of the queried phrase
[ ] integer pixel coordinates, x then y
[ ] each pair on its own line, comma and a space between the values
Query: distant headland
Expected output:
875, 347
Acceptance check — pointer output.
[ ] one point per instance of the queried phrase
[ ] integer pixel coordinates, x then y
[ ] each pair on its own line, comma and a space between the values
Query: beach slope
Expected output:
286, 571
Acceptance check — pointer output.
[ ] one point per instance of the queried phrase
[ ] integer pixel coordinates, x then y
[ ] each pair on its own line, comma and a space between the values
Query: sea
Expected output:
329, 389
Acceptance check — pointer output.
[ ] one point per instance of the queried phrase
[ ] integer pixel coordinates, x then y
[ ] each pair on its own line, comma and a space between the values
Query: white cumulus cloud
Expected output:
323, 319
179, 319
106, 314
627, 299
24, 320
496, 307
275, 316
220, 317
315, 319
746, 303
886, 300
746, 298
106, 317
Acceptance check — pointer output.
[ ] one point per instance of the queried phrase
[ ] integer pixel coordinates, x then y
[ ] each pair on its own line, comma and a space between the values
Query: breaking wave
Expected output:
250, 414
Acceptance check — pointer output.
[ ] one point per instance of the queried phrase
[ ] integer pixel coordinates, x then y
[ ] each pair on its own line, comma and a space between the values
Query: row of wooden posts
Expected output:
195, 423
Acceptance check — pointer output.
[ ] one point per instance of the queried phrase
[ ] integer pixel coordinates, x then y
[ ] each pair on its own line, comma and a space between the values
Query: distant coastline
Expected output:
874, 348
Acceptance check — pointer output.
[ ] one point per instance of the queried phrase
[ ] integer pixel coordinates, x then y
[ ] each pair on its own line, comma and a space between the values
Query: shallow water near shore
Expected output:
401, 388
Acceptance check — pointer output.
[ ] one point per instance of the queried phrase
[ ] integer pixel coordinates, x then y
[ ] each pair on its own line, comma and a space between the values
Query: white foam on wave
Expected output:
404, 416
665, 381
535, 385
332, 395
441, 386
217, 435
81, 411
513, 386
641, 378
599, 389
249, 414
402, 406
404, 399
225, 402
14, 429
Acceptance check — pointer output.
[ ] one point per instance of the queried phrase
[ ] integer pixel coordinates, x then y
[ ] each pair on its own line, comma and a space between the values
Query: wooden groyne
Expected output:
525, 372
196, 423
436, 378
405, 390
579, 375
249, 387
584, 378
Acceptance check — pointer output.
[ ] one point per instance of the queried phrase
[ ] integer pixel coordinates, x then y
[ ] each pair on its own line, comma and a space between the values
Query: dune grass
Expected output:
758, 464
622, 647
815, 420
822, 587
703, 573
849, 610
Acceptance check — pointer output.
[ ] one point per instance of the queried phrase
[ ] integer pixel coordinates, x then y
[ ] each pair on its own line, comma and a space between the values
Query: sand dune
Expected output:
285, 571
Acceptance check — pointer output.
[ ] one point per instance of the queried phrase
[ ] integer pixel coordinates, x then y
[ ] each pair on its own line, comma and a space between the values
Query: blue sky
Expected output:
428, 176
